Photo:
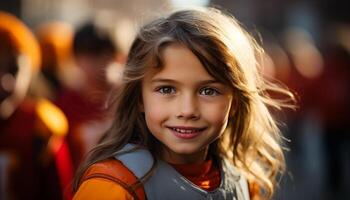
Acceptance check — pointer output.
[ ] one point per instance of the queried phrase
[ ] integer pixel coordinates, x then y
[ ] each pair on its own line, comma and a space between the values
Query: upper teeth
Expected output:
185, 131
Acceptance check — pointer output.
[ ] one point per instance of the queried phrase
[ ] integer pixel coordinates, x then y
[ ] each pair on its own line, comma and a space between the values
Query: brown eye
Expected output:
209, 91
166, 90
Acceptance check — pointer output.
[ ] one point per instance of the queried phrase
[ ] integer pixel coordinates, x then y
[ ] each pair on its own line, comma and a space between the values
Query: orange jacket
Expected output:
109, 180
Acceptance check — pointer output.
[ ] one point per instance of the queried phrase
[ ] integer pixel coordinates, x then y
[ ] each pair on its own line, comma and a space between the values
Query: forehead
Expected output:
179, 63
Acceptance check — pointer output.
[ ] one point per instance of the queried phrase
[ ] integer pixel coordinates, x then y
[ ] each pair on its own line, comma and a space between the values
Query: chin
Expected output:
186, 149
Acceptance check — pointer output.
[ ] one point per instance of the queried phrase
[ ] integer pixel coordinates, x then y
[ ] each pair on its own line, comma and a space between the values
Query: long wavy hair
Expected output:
252, 140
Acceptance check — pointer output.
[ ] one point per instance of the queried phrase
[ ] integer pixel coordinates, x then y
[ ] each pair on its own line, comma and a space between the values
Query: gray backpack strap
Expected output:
132, 160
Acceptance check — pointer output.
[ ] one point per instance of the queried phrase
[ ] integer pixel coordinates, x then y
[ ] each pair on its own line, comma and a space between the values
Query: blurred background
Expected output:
58, 59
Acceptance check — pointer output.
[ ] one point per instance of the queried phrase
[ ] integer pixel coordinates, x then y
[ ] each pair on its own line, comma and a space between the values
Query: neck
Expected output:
193, 158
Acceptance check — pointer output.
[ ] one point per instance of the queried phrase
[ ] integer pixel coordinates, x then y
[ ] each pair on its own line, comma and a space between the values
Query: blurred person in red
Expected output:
322, 81
95, 53
33, 156
321, 147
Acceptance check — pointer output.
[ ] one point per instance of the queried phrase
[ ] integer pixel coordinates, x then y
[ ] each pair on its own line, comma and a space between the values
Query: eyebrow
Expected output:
164, 80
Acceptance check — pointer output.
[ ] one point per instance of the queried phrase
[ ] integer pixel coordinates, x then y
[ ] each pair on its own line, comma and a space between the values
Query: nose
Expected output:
188, 107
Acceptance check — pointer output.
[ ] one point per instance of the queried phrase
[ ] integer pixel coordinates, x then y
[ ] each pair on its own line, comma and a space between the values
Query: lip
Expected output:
185, 132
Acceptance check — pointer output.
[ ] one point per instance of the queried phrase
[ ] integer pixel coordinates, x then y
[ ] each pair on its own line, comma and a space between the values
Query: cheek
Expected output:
156, 112
152, 107
217, 115
155, 116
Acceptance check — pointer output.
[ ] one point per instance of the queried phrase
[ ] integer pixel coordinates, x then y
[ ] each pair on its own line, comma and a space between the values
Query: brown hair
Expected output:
252, 140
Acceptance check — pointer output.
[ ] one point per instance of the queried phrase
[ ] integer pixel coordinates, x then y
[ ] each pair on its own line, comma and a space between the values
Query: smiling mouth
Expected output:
186, 132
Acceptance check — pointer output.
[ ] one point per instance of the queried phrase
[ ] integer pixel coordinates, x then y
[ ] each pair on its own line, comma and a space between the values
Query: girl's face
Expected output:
186, 109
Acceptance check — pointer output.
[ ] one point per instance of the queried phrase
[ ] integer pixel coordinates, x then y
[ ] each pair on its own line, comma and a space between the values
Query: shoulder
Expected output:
110, 175
136, 158
110, 169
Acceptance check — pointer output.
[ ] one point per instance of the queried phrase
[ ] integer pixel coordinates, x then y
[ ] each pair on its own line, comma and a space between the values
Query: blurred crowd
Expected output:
318, 131
53, 103
55, 80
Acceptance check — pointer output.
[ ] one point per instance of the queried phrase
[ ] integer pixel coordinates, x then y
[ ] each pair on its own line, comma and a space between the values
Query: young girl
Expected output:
191, 120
